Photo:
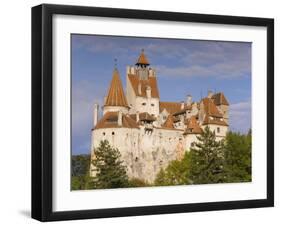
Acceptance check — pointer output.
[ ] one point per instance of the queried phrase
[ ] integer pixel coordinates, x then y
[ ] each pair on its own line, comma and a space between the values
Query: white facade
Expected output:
143, 153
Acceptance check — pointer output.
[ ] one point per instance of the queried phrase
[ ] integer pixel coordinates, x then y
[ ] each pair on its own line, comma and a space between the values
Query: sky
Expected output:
183, 67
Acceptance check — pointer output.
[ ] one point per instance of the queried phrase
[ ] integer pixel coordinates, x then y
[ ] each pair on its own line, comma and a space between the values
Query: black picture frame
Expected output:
42, 111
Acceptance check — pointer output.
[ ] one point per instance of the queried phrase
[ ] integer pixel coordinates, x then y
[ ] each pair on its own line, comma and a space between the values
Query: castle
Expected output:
150, 133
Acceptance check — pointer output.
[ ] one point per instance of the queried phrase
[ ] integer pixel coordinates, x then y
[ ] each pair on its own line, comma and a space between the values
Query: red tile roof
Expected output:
192, 126
182, 111
142, 60
169, 122
212, 114
210, 108
143, 116
212, 120
110, 120
171, 107
219, 99
150, 81
115, 95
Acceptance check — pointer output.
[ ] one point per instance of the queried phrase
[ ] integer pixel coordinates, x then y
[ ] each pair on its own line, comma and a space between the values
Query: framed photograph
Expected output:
146, 112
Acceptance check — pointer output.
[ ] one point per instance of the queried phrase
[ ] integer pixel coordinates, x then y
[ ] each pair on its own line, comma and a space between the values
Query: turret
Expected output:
115, 99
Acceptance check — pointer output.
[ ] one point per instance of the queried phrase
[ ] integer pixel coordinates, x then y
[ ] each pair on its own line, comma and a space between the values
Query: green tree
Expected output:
80, 172
176, 173
238, 157
206, 160
108, 166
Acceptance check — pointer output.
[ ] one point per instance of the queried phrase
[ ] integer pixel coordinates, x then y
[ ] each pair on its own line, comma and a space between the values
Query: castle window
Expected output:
136, 159
112, 133
192, 144
218, 129
152, 105
143, 104
103, 133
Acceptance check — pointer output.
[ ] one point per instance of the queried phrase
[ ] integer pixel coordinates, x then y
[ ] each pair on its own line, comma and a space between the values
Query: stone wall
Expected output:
143, 152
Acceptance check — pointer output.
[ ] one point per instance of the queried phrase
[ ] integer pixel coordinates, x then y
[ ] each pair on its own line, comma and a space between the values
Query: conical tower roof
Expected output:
142, 60
116, 96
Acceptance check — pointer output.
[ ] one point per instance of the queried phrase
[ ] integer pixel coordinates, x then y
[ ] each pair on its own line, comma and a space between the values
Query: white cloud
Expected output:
240, 116
220, 70
225, 60
84, 96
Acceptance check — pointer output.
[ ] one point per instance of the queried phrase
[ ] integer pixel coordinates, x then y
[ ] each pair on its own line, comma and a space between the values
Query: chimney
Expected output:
148, 92
132, 70
95, 116
182, 105
210, 93
128, 69
119, 118
137, 116
188, 99
139, 88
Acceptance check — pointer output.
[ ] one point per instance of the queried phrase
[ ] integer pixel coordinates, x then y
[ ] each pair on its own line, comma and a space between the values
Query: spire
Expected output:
142, 60
115, 95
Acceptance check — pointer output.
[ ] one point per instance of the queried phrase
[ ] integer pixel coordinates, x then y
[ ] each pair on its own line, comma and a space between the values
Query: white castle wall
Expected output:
189, 139
219, 134
144, 153
151, 105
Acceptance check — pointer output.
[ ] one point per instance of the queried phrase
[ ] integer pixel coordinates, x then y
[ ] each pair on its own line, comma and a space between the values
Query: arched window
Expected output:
218, 129
112, 133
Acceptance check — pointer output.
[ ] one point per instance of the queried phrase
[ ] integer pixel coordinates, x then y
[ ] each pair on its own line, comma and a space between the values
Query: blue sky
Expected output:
183, 67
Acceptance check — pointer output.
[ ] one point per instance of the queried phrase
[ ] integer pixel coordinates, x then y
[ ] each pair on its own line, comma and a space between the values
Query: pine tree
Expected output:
206, 163
80, 177
238, 157
108, 166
